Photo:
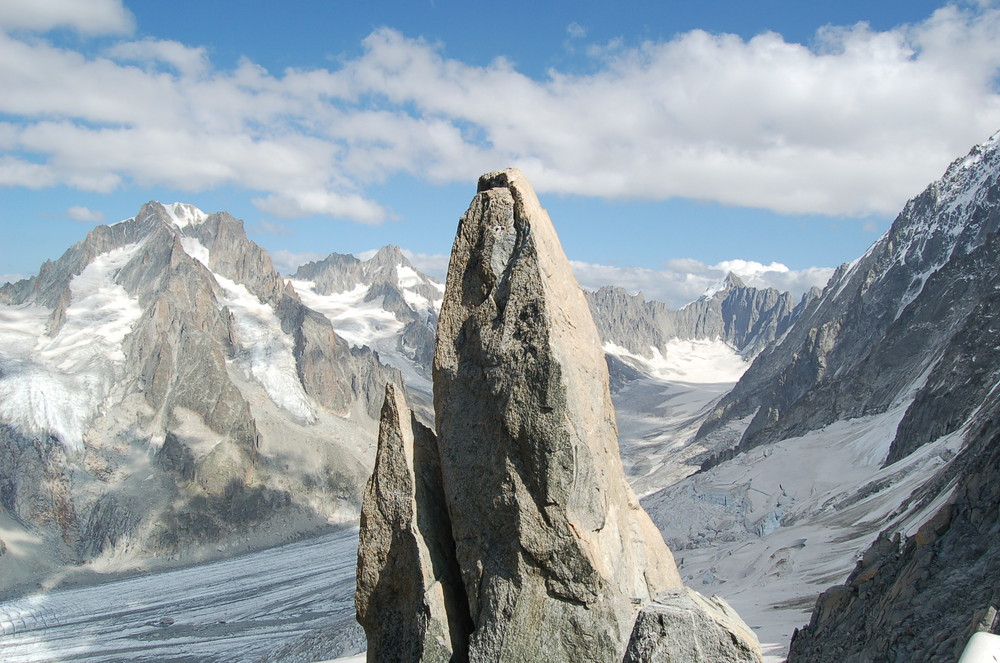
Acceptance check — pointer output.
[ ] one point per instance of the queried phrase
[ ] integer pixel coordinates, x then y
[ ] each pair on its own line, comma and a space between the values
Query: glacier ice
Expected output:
57, 385
266, 352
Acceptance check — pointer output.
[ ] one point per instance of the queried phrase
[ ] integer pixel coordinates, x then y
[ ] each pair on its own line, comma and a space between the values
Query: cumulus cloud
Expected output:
851, 125
90, 17
683, 280
287, 262
294, 204
264, 227
186, 60
79, 213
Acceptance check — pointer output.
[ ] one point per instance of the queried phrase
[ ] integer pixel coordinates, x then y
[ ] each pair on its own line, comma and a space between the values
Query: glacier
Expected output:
237, 610
57, 385
266, 352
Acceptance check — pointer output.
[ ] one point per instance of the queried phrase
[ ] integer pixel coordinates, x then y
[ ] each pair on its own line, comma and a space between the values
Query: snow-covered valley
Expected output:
772, 528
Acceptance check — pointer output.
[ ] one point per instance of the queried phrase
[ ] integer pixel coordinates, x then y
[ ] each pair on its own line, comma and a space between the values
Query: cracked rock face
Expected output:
556, 553
409, 597
555, 556
683, 625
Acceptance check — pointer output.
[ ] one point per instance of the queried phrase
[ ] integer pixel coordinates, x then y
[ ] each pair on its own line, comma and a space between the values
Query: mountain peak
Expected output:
728, 283
389, 256
185, 214
733, 281
564, 544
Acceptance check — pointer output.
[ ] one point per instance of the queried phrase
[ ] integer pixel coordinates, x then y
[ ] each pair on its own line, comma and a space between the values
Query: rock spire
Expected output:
556, 557
409, 597
546, 525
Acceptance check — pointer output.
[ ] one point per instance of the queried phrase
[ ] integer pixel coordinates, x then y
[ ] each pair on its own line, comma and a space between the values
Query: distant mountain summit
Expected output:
747, 319
172, 388
383, 303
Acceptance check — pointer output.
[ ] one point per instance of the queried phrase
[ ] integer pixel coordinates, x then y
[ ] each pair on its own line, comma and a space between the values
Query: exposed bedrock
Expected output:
556, 556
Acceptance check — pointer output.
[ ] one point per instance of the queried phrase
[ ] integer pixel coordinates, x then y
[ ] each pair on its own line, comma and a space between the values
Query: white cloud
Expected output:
79, 213
86, 17
11, 278
264, 227
287, 262
683, 280
307, 203
854, 125
186, 60
432, 264
576, 31
749, 269
18, 172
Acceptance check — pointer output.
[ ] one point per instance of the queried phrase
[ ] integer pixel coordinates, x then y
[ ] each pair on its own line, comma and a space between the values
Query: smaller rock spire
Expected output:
409, 596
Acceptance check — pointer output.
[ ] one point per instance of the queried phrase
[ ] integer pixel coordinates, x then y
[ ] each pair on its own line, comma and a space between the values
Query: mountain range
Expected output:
163, 388
166, 396
181, 399
861, 445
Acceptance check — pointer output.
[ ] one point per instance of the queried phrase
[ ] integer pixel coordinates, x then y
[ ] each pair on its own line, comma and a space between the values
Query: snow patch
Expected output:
407, 277
418, 302
55, 385
194, 248
357, 321
695, 361
266, 352
183, 214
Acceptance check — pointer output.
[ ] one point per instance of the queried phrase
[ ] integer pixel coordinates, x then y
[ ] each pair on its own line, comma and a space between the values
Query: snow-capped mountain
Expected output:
868, 318
161, 384
743, 319
383, 303
875, 412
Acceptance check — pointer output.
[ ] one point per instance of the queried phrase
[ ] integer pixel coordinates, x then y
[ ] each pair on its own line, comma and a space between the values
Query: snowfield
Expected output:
56, 384
687, 361
365, 323
266, 352
777, 525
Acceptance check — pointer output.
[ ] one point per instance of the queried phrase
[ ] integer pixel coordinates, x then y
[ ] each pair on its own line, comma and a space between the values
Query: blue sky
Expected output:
670, 141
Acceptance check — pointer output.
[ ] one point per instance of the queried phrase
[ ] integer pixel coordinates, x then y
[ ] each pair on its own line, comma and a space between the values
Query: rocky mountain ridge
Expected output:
920, 597
866, 433
162, 378
383, 303
899, 305
190, 333
747, 319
